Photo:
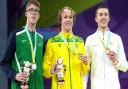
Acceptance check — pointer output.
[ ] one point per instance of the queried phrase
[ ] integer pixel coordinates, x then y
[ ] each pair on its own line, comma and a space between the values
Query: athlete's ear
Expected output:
25, 13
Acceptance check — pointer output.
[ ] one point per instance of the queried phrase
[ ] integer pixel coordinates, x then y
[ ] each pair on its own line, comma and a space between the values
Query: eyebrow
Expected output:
33, 8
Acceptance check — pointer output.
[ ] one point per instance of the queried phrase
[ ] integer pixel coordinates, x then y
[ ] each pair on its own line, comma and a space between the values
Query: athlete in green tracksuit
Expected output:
25, 45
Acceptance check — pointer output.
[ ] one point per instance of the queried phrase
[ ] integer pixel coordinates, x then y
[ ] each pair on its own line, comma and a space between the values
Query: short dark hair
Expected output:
34, 2
99, 7
60, 14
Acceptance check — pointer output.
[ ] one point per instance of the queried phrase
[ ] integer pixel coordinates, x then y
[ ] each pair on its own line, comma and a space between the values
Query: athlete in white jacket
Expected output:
106, 53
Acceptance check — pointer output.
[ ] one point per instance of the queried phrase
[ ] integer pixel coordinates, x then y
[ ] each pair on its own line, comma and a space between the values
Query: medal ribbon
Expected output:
107, 41
33, 48
72, 49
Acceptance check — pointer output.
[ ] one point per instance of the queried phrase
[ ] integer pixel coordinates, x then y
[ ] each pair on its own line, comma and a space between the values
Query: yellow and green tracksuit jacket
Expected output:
75, 68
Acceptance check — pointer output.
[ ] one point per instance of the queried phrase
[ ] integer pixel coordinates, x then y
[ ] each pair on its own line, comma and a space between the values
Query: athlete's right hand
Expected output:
21, 77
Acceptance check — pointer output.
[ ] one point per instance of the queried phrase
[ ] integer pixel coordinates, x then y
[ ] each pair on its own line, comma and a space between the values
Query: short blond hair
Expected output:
60, 14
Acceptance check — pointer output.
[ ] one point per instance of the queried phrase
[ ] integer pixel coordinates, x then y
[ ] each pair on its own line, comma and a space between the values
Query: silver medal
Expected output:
107, 50
34, 66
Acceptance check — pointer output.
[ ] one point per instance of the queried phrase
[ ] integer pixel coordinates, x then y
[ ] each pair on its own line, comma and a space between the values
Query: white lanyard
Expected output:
33, 49
18, 64
72, 49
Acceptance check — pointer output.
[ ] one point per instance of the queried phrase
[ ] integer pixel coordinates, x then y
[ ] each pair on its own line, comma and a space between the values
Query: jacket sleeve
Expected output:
85, 67
121, 57
47, 60
8, 57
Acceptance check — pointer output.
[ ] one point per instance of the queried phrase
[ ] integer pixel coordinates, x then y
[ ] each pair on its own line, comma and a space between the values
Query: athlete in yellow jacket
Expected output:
67, 46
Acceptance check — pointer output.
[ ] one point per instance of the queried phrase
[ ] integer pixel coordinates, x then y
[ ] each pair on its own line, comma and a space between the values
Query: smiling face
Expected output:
102, 18
32, 13
67, 19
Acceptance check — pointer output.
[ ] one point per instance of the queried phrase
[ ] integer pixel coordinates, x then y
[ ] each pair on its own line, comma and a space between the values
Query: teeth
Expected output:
103, 21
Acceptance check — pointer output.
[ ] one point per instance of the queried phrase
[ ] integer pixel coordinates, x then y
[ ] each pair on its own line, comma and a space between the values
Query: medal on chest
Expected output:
34, 66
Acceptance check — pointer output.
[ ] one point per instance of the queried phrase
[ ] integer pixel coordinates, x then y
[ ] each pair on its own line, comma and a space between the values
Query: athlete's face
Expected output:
102, 17
67, 19
32, 13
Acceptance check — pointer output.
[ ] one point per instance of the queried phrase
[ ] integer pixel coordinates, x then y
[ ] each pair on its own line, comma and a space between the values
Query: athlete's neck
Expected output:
31, 27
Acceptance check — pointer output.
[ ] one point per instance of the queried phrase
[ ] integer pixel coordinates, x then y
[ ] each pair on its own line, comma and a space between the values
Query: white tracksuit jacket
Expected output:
104, 74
